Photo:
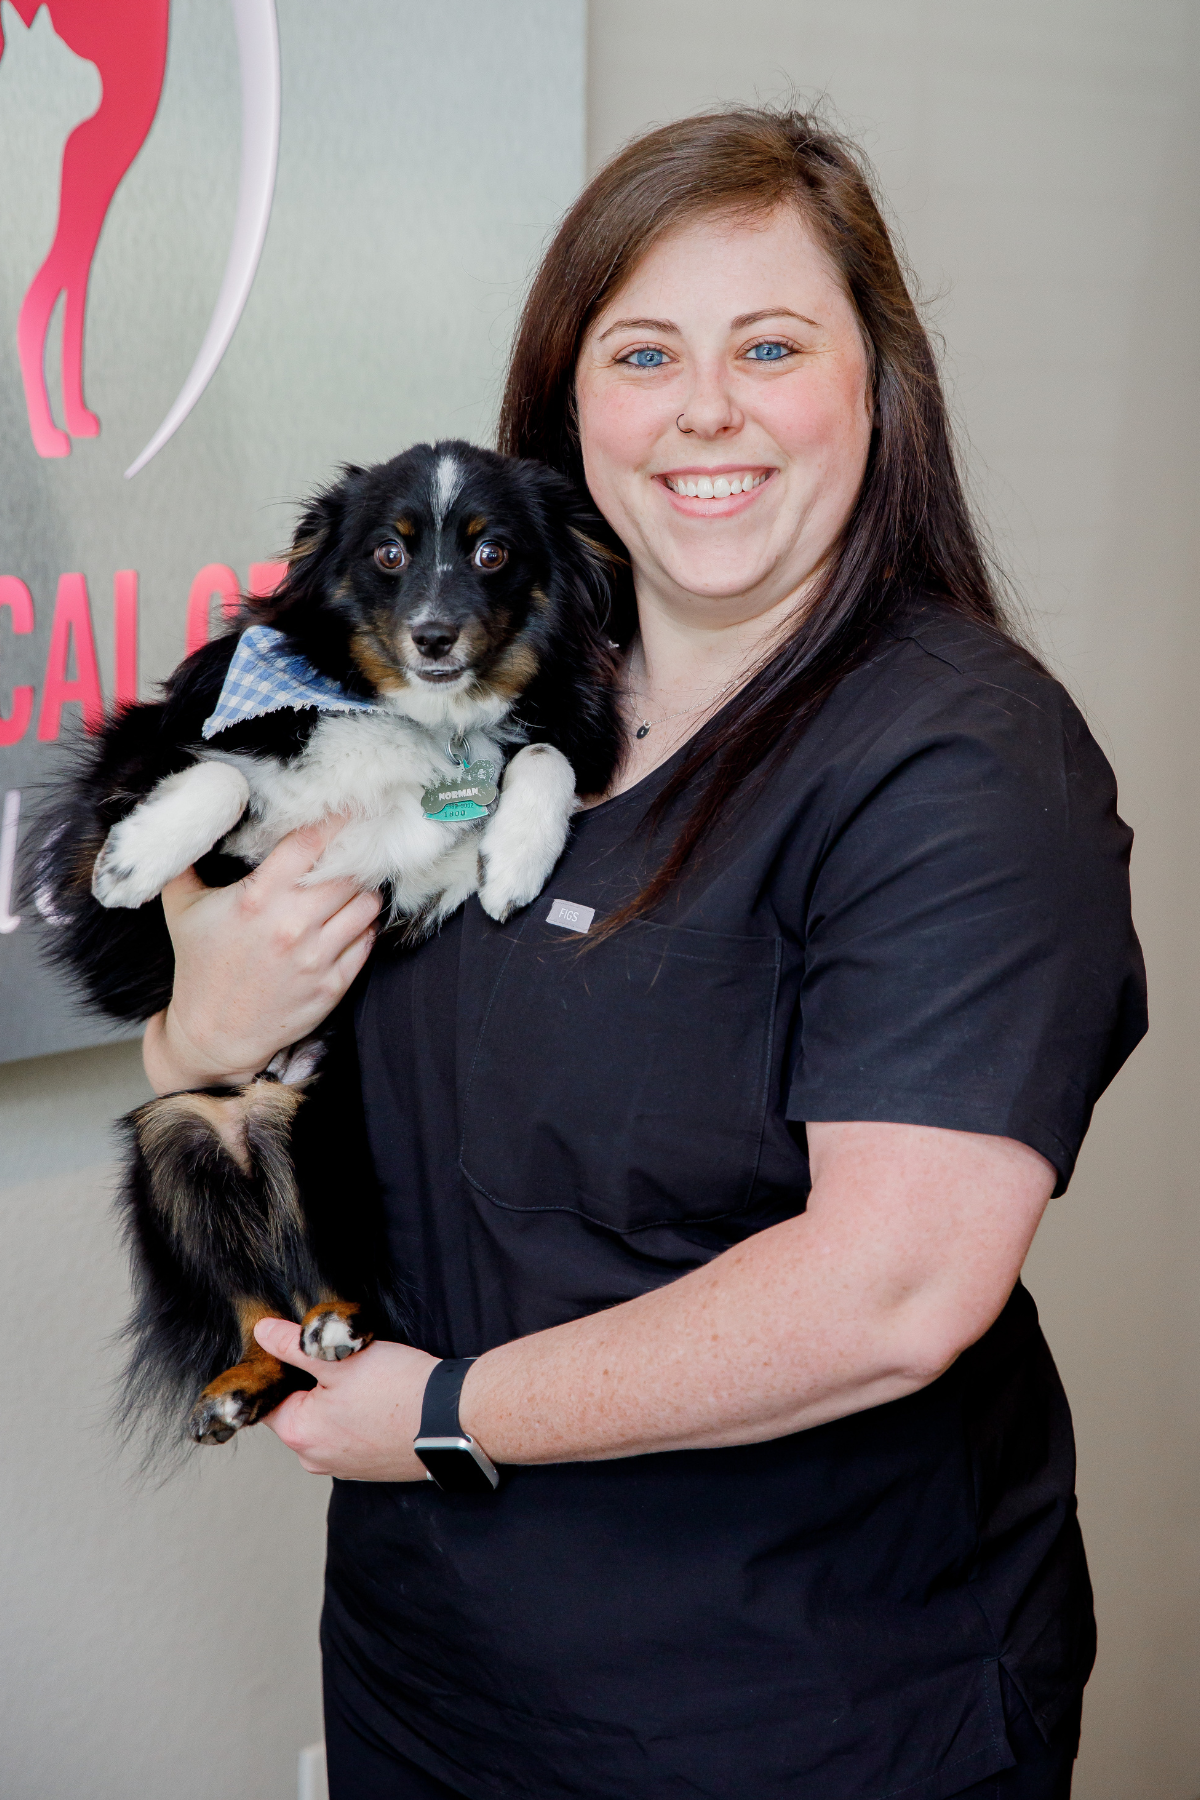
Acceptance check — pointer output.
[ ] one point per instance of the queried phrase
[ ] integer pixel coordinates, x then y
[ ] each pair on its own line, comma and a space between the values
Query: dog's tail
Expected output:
212, 1219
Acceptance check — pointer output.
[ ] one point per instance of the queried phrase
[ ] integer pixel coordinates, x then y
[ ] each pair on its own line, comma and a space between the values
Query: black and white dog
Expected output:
439, 611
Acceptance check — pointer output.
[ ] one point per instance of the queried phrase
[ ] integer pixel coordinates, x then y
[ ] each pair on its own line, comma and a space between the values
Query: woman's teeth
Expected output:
719, 487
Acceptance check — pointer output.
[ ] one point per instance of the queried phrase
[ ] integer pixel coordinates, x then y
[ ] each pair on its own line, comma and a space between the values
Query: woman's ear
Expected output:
312, 559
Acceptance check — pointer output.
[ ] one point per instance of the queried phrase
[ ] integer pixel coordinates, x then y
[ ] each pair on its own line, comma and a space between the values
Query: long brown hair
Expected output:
911, 529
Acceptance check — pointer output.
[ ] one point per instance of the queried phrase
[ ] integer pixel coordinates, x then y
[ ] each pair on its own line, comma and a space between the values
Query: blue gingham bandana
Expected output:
265, 676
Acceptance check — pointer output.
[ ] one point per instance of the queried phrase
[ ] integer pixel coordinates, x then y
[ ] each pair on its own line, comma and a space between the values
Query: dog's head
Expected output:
447, 583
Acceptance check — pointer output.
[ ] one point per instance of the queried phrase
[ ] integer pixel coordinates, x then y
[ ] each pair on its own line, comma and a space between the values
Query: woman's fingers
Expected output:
281, 1338
181, 893
259, 964
349, 922
353, 958
291, 1420
281, 873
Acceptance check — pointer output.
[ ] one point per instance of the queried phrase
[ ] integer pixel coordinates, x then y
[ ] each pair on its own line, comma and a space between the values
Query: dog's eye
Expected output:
391, 556
490, 555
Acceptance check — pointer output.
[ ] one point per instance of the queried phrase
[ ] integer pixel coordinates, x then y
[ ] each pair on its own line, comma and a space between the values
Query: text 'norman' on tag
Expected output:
570, 916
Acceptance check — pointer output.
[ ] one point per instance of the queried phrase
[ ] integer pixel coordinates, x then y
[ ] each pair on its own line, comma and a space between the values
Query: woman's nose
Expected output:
711, 410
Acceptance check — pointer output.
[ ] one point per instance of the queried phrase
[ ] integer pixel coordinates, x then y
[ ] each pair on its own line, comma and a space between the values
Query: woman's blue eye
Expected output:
647, 359
767, 352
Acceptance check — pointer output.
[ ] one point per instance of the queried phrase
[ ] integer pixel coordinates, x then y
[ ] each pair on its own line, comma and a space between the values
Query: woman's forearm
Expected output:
908, 1251
730, 1354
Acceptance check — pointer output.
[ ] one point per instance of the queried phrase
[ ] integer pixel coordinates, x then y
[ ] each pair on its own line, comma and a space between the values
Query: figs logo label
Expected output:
127, 41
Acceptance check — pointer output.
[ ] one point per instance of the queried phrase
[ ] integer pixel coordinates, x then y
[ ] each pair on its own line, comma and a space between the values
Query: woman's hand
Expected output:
257, 965
360, 1420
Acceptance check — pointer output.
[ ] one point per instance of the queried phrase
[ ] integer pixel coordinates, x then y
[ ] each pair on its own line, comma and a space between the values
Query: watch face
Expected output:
456, 1471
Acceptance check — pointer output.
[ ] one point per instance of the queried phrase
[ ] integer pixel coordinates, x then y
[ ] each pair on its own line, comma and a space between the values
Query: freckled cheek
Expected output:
819, 423
619, 430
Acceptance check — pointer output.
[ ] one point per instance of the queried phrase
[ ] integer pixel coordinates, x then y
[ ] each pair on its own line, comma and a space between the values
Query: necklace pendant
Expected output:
642, 730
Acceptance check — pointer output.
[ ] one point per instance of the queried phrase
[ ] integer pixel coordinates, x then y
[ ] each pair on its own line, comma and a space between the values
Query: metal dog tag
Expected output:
471, 795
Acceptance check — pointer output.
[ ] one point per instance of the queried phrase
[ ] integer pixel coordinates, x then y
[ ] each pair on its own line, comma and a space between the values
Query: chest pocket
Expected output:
627, 1083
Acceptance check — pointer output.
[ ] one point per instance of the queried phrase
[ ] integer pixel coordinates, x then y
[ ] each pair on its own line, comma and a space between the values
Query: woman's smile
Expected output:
707, 493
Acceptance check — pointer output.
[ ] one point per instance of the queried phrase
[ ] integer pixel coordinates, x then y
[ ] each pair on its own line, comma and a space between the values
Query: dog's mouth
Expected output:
440, 674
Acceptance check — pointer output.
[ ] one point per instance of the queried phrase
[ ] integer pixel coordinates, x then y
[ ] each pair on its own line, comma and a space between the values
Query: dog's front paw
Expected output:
505, 887
334, 1330
525, 836
116, 878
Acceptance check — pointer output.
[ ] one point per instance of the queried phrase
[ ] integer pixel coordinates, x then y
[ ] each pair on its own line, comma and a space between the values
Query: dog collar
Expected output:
266, 676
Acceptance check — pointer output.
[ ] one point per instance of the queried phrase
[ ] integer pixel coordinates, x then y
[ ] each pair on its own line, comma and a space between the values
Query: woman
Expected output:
728, 1195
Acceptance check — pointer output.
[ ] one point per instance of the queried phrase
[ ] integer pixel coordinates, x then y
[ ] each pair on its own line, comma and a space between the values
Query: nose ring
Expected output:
686, 429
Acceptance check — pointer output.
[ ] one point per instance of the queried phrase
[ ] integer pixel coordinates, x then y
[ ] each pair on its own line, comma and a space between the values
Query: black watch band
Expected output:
451, 1457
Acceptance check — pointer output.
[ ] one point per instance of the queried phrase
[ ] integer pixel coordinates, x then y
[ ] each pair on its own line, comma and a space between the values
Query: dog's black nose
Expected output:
434, 638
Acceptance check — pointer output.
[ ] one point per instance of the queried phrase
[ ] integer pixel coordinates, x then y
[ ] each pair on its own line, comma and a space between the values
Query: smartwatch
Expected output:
452, 1459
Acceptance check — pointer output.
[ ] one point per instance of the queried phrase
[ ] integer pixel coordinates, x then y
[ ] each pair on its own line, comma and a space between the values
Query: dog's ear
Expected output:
572, 700
313, 557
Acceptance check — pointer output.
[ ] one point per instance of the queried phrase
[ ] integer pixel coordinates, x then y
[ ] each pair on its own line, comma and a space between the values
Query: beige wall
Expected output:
156, 1642
1042, 164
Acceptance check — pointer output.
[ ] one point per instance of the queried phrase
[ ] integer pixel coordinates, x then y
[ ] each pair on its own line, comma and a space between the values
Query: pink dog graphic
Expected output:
128, 44
127, 41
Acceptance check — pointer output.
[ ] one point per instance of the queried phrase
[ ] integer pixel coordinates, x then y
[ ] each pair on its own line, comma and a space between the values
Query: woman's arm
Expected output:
912, 1241
257, 965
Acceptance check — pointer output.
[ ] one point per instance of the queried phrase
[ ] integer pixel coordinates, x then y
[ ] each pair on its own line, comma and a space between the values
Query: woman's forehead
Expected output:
722, 266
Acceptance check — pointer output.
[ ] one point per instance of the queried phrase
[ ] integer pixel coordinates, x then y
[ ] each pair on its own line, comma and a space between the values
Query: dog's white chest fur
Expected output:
372, 769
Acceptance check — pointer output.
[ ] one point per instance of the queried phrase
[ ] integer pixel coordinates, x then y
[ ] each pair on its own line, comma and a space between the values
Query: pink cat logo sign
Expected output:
127, 41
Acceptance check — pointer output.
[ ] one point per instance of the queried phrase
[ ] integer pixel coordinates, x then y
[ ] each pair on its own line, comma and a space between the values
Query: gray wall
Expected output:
160, 1642
1042, 164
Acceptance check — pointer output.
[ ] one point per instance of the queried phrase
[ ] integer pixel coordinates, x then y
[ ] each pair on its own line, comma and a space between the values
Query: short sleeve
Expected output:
970, 959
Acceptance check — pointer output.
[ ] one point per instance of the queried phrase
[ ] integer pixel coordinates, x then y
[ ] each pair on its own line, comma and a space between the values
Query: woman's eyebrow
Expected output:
738, 324
771, 312
638, 325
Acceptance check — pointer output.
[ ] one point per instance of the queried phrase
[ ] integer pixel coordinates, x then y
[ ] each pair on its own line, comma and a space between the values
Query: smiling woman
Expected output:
712, 1183
662, 403
848, 408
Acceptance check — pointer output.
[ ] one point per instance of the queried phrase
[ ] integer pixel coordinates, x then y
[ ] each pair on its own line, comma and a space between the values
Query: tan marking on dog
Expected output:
540, 599
226, 1118
262, 1111
475, 526
268, 1102
603, 551
406, 528
258, 1374
371, 660
512, 671
302, 547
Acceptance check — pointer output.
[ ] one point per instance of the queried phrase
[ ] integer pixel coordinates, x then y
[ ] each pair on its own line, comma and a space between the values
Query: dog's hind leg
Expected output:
178, 823
251, 1388
222, 1243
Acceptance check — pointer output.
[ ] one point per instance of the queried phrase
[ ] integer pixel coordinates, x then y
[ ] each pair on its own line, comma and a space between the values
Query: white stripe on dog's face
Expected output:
447, 481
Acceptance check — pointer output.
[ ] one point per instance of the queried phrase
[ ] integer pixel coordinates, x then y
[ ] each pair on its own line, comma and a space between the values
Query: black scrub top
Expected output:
923, 916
